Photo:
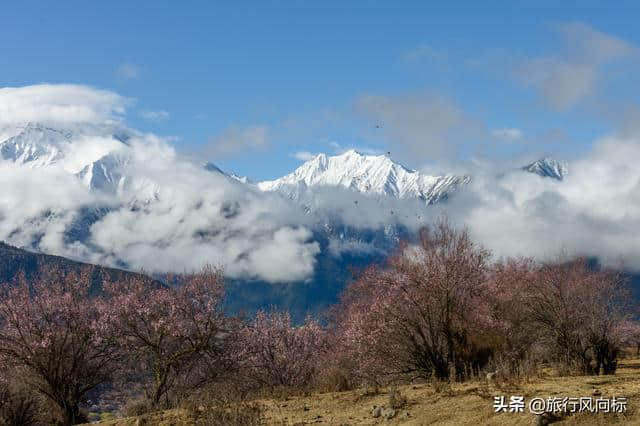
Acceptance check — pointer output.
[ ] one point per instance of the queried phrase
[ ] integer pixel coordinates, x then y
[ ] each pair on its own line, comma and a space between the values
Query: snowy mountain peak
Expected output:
105, 174
548, 167
95, 155
36, 145
373, 174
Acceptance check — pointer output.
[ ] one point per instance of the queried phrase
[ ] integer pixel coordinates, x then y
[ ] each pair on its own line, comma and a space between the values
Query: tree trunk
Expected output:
72, 415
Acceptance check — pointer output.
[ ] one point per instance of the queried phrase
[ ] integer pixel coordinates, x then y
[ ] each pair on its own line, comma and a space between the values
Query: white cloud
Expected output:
564, 79
238, 139
64, 103
341, 149
127, 71
595, 211
162, 213
420, 126
363, 211
365, 150
337, 149
507, 134
169, 214
196, 217
159, 115
303, 155
279, 257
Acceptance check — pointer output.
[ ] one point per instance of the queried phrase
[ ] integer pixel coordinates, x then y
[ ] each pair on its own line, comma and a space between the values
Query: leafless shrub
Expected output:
397, 400
19, 407
236, 414
333, 379
138, 406
211, 407
442, 387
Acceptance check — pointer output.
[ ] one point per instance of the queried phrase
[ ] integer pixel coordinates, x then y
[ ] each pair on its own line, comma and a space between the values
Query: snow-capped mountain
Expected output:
36, 145
95, 156
99, 160
105, 173
370, 174
548, 167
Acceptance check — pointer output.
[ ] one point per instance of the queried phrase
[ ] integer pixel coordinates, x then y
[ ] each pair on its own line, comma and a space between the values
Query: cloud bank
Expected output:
507, 134
159, 115
61, 103
566, 78
146, 206
594, 211
420, 125
238, 139
131, 199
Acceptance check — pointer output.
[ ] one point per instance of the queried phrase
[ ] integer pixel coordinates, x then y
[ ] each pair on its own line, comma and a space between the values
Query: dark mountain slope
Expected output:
14, 261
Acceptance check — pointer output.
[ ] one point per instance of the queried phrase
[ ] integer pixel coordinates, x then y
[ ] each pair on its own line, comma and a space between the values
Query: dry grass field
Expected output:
441, 404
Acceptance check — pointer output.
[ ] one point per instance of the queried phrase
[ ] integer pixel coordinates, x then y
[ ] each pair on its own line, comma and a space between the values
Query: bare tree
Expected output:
578, 311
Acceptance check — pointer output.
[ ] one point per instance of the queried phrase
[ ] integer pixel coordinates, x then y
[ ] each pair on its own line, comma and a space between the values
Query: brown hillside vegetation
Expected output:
469, 403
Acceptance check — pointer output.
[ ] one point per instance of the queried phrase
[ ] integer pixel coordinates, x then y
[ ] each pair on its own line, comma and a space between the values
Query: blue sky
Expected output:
249, 84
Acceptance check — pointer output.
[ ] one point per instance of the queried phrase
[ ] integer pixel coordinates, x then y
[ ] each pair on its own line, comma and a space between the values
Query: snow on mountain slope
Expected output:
93, 155
36, 146
373, 174
98, 157
548, 167
105, 174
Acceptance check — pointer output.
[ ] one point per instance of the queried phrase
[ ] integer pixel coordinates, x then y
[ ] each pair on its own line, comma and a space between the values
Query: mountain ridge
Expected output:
15, 261
548, 167
373, 174
341, 197
38, 145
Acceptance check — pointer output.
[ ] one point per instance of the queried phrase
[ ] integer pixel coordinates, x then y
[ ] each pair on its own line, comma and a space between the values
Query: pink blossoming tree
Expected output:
53, 333
174, 336
275, 353
419, 315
